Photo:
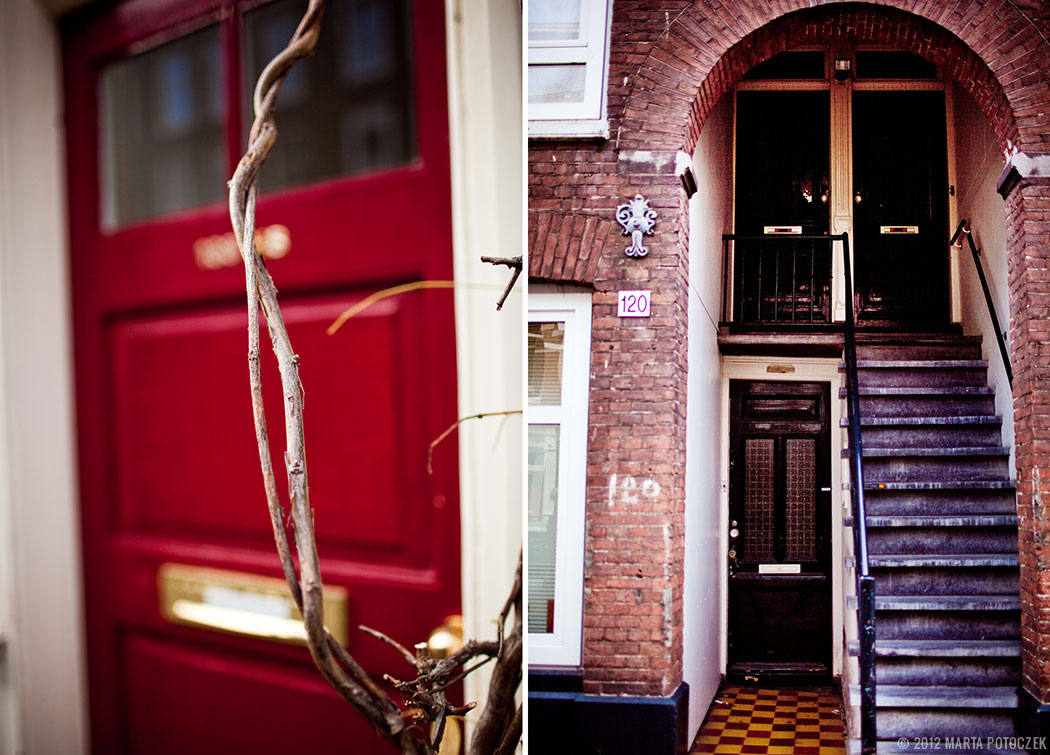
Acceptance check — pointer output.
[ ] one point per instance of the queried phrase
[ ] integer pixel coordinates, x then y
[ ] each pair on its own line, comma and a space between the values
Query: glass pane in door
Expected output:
161, 131
348, 109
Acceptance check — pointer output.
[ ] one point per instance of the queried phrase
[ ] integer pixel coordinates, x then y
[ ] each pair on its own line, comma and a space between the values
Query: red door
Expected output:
155, 100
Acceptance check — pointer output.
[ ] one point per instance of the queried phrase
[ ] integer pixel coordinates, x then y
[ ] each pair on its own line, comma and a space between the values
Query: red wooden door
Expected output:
155, 93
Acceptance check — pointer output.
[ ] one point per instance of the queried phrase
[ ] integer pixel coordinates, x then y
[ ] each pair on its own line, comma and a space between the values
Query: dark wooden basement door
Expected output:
780, 537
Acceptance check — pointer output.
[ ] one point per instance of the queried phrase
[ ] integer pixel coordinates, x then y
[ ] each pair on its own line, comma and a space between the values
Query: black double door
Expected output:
779, 528
900, 207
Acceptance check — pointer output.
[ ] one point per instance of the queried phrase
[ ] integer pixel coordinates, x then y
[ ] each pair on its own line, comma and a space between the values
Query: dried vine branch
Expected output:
515, 264
426, 693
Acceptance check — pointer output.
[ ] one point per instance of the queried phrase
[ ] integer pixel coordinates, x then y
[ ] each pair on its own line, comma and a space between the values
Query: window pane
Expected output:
554, 20
893, 64
543, 525
546, 346
794, 64
349, 108
556, 83
162, 120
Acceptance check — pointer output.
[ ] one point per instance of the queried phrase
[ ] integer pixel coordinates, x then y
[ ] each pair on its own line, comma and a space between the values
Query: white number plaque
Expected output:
633, 304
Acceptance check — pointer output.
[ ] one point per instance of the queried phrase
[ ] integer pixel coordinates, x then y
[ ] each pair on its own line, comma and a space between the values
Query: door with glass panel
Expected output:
779, 529
191, 647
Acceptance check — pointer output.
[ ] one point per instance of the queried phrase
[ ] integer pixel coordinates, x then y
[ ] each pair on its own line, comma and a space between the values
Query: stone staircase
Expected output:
942, 539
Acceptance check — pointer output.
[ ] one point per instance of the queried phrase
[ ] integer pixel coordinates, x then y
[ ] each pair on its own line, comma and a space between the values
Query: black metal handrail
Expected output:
865, 582
794, 290
976, 254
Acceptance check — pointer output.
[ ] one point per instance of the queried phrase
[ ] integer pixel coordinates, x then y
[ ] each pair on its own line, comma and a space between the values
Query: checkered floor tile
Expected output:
778, 722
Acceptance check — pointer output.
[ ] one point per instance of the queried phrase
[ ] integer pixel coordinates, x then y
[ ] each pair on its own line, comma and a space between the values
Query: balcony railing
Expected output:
777, 279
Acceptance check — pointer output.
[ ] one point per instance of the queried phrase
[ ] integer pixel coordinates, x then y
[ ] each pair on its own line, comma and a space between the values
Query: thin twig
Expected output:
512, 262
448, 431
404, 288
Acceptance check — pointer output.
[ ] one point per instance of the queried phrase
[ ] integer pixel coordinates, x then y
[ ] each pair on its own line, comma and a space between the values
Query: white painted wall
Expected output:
485, 98
42, 697
978, 166
709, 218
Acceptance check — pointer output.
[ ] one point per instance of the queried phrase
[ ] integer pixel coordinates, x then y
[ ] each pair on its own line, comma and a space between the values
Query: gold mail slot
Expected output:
899, 229
242, 603
781, 230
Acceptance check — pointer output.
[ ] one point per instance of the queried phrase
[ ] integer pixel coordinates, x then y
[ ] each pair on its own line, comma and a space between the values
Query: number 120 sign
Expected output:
633, 304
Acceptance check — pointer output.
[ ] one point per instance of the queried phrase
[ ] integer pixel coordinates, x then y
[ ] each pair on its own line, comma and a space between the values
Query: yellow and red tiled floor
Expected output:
774, 721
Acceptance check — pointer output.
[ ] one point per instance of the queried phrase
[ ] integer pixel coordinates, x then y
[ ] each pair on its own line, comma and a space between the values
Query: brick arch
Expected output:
993, 50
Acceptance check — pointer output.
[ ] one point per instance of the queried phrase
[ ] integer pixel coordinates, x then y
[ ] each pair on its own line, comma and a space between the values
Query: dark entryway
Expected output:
900, 192
779, 507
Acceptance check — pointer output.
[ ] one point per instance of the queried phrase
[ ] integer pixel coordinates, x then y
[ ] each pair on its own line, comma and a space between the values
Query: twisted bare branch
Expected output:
425, 693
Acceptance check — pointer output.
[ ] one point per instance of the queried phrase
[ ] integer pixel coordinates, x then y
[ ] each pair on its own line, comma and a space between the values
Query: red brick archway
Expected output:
670, 63
997, 53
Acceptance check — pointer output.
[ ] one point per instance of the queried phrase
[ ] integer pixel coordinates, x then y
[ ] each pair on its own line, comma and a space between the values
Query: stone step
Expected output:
918, 364
974, 520
924, 712
913, 391
940, 501
944, 580
953, 349
958, 745
933, 696
953, 560
941, 603
926, 405
942, 648
974, 419
900, 466
927, 434
932, 373
947, 540
940, 485
906, 452
949, 625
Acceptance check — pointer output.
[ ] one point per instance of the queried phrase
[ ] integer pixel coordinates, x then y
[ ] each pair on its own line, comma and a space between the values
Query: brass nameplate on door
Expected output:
782, 230
242, 603
899, 229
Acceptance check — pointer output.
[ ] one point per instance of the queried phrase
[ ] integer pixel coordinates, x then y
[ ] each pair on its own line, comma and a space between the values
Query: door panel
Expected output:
782, 190
780, 565
169, 470
900, 179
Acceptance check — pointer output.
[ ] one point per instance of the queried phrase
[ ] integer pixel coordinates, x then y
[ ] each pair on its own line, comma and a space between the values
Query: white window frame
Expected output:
592, 50
562, 647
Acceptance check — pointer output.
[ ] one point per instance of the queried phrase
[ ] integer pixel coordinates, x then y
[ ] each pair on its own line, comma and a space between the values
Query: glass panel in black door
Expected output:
779, 507
782, 193
900, 212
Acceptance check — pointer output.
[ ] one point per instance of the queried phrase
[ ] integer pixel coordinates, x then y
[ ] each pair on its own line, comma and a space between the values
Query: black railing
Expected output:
976, 254
777, 279
865, 582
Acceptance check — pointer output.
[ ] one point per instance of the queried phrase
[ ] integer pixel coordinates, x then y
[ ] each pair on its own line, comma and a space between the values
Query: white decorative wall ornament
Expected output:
637, 220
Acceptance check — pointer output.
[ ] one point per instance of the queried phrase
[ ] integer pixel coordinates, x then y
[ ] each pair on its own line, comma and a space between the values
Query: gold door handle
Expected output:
447, 638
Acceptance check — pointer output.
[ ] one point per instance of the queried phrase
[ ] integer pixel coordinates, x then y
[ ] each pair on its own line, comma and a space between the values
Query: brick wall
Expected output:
1028, 205
671, 61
